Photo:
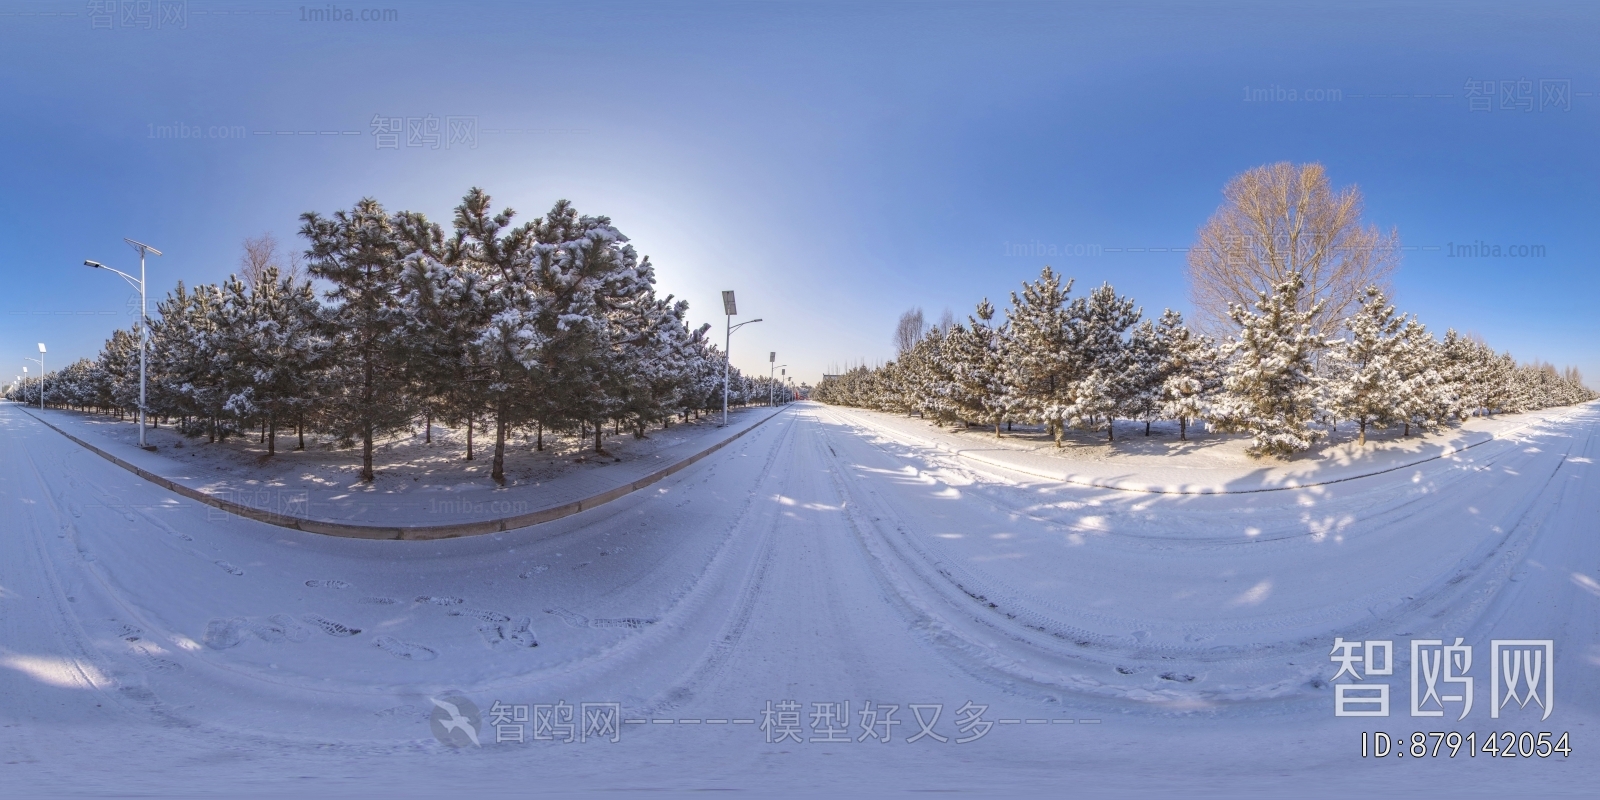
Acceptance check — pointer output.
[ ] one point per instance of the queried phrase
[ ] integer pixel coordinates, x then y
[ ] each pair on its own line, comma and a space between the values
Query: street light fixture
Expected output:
40, 362
730, 309
144, 320
771, 386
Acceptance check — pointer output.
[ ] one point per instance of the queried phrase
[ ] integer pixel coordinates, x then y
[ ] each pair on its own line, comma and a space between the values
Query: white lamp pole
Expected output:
731, 310
40, 362
144, 319
772, 386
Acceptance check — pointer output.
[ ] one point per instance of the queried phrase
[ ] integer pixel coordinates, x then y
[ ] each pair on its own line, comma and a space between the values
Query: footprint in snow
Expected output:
329, 584
479, 614
222, 634
151, 661
575, 620
229, 568
441, 601
534, 571
504, 635
279, 628
405, 650
378, 601
330, 627
624, 622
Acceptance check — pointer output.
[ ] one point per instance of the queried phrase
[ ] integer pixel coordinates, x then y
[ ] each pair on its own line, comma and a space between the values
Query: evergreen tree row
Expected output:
551, 325
1084, 362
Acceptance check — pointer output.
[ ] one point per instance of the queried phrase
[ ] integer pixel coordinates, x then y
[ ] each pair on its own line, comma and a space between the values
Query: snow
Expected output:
1206, 463
149, 648
418, 483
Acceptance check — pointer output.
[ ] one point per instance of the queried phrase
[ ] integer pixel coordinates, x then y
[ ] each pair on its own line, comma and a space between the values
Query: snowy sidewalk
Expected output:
1206, 464
398, 509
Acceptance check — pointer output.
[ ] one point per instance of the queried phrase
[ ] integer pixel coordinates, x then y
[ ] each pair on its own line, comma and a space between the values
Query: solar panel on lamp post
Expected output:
729, 309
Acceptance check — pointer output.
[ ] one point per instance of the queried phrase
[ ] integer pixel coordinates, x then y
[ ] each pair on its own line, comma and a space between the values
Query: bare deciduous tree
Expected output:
1280, 219
262, 253
908, 331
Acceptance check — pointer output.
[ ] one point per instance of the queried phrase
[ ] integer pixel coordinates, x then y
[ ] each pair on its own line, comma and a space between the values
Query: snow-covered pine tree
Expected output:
1147, 371
977, 365
1459, 368
1193, 373
119, 359
965, 397
1040, 359
1426, 399
1106, 381
927, 379
584, 271
1367, 377
1270, 387
359, 253
1499, 373
484, 276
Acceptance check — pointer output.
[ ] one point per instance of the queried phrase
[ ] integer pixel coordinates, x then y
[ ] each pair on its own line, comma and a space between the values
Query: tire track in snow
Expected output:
978, 594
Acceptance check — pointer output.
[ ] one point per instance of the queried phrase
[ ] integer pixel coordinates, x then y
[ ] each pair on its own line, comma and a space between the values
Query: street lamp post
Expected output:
730, 310
144, 319
772, 388
40, 362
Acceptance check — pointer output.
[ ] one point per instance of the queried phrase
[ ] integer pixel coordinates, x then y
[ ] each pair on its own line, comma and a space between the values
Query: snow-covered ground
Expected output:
418, 483
1122, 643
1161, 461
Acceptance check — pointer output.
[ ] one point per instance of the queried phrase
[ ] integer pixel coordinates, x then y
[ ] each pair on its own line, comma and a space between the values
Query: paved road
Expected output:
1117, 642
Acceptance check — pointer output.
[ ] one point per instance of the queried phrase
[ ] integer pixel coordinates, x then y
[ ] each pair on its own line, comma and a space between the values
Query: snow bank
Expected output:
444, 506
1206, 464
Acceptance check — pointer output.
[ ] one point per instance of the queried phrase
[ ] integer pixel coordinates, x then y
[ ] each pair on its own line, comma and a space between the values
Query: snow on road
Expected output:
1120, 642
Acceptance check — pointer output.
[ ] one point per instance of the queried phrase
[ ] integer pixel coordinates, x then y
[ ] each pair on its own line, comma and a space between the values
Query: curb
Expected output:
1121, 486
404, 532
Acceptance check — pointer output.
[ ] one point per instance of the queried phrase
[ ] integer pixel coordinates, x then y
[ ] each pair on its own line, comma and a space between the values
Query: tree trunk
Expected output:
1408, 429
498, 472
597, 434
272, 436
427, 436
263, 439
1183, 429
469, 437
300, 431
1363, 424
213, 430
366, 452
1111, 429
538, 442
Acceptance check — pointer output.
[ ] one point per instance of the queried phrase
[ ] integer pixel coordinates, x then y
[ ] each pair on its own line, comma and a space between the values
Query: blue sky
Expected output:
835, 163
